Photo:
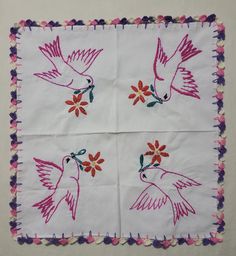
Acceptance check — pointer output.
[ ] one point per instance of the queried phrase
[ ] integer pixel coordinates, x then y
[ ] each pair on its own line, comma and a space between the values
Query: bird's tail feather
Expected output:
47, 207
181, 207
186, 49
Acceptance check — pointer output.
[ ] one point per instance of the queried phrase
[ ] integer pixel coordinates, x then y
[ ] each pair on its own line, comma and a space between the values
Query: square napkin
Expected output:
118, 131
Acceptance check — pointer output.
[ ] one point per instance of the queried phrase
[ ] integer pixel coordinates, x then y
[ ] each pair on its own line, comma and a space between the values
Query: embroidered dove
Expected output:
63, 184
70, 72
164, 186
171, 75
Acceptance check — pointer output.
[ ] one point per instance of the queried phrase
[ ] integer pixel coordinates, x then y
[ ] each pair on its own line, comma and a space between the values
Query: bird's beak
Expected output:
144, 176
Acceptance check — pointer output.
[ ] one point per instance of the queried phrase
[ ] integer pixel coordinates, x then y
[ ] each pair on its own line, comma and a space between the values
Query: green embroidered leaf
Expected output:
91, 97
156, 165
151, 104
152, 88
81, 152
141, 160
81, 167
77, 92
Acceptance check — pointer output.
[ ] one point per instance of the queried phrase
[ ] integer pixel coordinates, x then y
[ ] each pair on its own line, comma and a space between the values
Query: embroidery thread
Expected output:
70, 72
54, 177
169, 183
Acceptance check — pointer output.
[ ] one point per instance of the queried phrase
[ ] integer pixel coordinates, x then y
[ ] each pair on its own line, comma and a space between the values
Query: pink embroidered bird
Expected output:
62, 183
170, 73
70, 72
164, 186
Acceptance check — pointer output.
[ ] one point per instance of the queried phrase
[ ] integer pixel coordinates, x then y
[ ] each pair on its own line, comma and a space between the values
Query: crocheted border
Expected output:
15, 163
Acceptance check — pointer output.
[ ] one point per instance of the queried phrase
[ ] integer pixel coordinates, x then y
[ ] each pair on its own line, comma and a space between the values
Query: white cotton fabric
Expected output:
119, 130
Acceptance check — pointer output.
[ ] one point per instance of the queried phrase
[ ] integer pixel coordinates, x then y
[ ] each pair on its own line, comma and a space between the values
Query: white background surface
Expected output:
13, 11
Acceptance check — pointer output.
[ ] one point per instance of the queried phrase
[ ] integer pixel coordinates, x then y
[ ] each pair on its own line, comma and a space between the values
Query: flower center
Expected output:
139, 93
93, 164
77, 104
157, 152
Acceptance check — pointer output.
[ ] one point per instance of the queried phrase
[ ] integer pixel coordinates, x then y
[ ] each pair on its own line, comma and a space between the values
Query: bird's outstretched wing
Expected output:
57, 75
159, 61
48, 172
150, 199
178, 180
185, 84
81, 60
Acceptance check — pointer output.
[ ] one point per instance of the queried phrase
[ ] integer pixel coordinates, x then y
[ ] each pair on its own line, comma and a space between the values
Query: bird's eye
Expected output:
89, 81
144, 176
165, 96
67, 160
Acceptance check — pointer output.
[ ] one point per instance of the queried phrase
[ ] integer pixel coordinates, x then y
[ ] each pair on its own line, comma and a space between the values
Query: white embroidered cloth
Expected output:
102, 156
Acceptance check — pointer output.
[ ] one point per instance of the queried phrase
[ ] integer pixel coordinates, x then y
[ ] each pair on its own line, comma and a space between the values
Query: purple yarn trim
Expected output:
220, 81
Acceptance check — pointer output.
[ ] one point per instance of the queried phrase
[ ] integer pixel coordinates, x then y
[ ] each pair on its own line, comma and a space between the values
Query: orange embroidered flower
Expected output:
139, 92
77, 105
156, 151
94, 164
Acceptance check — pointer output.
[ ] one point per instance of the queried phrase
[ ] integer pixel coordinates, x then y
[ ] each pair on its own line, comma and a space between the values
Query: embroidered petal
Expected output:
86, 163
153, 159
131, 96
134, 88
158, 158
69, 102
91, 157
75, 98
164, 154
83, 103
136, 100
149, 153
162, 147
97, 156
100, 161
93, 172
145, 88
151, 146
88, 169
97, 167
79, 97
77, 112
140, 85
72, 109
156, 143
142, 98
83, 110
147, 93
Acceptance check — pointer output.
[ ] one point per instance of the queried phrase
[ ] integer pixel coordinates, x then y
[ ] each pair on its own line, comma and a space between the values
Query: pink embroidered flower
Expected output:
160, 18
115, 21
139, 92
156, 151
22, 23
93, 164
43, 24
182, 19
12, 37
221, 27
202, 18
77, 105
138, 21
